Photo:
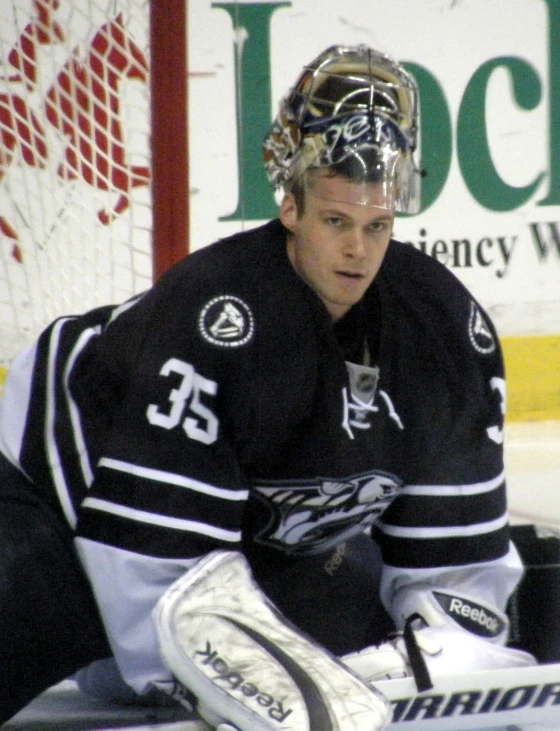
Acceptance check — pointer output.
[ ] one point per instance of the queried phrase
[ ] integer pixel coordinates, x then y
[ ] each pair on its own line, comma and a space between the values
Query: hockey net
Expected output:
75, 160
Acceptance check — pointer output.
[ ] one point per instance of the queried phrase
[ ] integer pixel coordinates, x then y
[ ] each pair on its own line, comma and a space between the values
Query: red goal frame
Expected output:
169, 125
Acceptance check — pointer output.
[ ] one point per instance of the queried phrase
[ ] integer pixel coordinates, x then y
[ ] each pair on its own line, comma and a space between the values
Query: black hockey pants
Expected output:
333, 597
49, 624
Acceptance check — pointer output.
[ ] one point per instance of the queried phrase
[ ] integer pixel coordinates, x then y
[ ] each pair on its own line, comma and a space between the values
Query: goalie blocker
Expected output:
222, 638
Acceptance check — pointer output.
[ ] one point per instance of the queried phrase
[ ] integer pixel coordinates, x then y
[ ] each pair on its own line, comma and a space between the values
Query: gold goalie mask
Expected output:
355, 111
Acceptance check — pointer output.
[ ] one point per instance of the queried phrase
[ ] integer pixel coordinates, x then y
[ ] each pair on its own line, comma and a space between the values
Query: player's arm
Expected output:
127, 586
167, 486
141, 528
441, 631
449, 564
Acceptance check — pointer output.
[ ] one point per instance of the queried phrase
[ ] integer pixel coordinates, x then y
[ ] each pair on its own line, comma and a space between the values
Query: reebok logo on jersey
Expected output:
226, 321
335, 561
234, 680
471, 616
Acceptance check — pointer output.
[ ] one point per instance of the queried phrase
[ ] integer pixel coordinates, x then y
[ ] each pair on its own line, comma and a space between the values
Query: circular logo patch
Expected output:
479, 333
226, 321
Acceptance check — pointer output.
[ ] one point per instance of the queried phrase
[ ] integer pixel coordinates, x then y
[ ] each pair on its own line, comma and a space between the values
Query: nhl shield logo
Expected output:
226, 321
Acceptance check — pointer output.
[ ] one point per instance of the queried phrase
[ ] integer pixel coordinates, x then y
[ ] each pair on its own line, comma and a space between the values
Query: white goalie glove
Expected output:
445, 632
249, 668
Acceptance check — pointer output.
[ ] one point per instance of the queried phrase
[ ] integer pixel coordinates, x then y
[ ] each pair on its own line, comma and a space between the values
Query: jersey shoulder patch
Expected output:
442, 301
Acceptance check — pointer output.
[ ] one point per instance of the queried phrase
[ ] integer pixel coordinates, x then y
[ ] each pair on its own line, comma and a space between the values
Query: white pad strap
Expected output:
221, 637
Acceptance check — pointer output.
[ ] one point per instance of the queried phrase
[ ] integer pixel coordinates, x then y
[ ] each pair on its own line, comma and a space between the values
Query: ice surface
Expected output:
532, 454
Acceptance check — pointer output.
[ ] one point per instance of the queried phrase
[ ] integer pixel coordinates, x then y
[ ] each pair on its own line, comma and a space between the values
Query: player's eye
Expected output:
335, 221
379, 226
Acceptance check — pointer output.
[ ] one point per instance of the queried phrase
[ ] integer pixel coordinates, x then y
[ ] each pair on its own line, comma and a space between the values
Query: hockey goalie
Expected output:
272, 487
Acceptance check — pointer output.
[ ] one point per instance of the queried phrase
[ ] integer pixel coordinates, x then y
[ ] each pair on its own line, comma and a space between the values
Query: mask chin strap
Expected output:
416, 659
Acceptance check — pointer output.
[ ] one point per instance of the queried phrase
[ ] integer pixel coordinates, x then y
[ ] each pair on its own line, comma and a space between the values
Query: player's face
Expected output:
337, 245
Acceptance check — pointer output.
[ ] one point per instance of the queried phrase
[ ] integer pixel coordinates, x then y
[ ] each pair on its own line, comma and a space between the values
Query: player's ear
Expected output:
288, 211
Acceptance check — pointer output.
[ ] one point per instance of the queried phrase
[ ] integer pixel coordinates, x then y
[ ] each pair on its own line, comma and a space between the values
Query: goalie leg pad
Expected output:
378, 662
222, 638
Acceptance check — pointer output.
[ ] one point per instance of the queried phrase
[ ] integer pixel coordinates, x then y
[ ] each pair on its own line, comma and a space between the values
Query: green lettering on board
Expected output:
251, 23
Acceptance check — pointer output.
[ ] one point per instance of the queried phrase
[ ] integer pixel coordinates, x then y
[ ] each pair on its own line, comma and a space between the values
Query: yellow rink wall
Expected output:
533, 377
532, 374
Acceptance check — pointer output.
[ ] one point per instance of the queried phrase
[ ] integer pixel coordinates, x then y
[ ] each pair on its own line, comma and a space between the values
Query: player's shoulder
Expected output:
238, 291
238, 257
444, 306
250, 267
419, 272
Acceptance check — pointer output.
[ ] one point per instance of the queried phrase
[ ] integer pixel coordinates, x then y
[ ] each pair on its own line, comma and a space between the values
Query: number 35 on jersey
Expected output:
184, 404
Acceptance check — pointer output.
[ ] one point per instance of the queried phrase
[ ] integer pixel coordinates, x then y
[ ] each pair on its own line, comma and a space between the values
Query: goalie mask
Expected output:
352, 112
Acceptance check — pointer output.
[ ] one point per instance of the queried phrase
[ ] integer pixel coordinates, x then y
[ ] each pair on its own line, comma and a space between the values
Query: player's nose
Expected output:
355, 245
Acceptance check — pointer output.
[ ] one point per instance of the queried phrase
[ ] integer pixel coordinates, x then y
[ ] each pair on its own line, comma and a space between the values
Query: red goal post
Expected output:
93, 155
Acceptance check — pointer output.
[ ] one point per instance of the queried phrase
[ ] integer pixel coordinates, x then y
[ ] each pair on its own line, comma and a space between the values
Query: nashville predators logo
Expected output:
309, 517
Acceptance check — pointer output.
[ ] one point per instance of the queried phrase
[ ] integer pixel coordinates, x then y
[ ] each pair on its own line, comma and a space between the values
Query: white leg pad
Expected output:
222, 638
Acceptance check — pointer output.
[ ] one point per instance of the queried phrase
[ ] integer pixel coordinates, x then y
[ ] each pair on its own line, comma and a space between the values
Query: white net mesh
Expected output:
75, 208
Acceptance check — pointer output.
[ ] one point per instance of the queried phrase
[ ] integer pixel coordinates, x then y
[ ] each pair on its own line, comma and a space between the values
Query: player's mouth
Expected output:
356, 276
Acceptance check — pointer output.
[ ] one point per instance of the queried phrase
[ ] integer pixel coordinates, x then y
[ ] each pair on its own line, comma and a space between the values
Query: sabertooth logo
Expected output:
307, 518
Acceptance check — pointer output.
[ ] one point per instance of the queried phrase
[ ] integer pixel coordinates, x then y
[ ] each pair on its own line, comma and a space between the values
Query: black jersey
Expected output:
222, 409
